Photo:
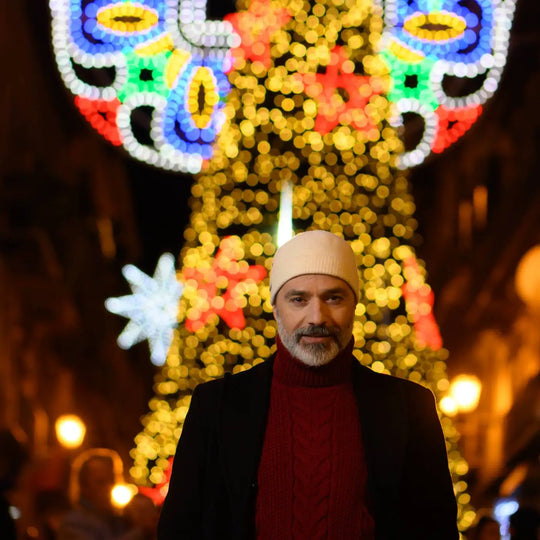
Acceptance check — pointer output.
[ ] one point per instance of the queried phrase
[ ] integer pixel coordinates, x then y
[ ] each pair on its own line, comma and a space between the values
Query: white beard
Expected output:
310, 354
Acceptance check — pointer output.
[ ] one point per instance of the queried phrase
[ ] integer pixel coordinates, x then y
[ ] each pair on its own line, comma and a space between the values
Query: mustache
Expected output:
320, 330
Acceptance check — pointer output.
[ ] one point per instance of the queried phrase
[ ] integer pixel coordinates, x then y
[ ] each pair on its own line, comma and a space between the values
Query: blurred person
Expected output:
94, 517
13, 458
525, 524
142, 517
311, 444
486, 528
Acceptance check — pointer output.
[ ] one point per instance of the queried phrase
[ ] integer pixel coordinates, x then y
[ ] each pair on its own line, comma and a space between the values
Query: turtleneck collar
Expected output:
290, 371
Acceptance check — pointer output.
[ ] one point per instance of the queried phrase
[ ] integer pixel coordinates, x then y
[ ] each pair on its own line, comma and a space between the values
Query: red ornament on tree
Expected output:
226, 273
347, 107
255, 28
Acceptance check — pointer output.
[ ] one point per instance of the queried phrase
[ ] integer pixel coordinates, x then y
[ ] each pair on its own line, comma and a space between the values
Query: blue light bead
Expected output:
170, 113
80, 40
76, 8
172, 138
208, 135
471, 20
99, 33
206, 151
89, 26
192, 134
469, 36
91, 10
197, 148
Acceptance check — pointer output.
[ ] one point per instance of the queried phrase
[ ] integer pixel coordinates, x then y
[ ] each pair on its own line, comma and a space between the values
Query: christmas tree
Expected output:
307, 144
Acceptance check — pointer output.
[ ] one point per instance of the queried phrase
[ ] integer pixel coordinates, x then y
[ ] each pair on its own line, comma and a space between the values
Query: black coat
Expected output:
213, 486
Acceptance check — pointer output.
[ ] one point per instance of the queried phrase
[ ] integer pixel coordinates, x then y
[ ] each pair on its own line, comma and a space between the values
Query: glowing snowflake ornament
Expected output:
152, 308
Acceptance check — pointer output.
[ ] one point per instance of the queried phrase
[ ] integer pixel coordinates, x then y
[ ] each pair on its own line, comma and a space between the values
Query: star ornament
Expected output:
342, 97
255, 28
236, 277
152, 308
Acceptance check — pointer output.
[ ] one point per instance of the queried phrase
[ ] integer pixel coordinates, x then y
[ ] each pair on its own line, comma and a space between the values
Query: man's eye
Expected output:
296, 299
335, 298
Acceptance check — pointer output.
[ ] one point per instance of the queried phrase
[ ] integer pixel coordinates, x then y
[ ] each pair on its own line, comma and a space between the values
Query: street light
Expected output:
448, 406
122, 494
466, 389
463, 395
70, 430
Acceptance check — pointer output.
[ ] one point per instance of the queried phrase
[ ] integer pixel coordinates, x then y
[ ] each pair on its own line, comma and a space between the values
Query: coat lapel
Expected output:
246, 402
383, 426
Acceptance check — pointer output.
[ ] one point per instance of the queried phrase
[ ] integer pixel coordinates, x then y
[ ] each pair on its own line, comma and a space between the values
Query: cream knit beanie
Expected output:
314, 252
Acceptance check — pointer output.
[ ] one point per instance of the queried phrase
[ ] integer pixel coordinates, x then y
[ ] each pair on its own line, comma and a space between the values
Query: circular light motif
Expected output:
432, 40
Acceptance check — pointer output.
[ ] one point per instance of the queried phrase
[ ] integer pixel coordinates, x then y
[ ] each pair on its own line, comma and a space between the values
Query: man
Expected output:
311, 444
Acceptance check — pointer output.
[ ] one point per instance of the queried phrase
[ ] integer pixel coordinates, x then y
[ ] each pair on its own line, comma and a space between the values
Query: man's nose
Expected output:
318, 312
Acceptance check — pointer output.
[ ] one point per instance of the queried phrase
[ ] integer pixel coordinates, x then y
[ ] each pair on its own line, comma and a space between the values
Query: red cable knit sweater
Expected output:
312, 475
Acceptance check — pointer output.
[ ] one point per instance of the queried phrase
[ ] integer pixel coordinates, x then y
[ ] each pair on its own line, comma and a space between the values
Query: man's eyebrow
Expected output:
295, 292
336, 290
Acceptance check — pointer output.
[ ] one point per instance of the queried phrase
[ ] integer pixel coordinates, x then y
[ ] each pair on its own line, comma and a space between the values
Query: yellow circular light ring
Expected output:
128, 18
435, 26
202, 80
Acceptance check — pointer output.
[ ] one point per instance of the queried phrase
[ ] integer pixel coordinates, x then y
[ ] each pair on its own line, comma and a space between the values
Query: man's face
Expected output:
97, 483
315, 315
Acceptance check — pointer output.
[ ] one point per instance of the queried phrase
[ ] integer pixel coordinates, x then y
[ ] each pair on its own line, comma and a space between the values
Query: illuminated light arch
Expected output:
154, 48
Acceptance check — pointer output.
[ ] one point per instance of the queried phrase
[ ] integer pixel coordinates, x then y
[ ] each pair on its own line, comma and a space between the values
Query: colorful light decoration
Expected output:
426, 41
163, 54
152, 308
118, 56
